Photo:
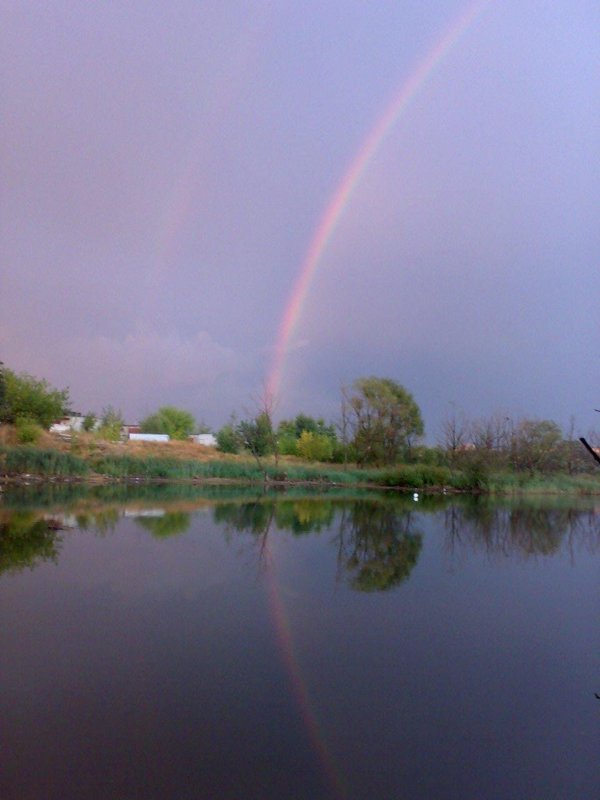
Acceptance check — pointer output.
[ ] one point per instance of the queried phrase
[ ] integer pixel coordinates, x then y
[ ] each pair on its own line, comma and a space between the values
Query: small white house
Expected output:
207, 439
149, 437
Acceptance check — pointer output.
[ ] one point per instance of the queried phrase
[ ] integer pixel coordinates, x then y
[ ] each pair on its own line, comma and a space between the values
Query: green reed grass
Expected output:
27, 460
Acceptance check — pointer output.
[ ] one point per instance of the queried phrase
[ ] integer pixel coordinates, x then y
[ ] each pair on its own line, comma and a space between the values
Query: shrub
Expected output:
287, 444
314, 446
89, 422
28, 431
228, 440
110, 425
475, 477
415, 476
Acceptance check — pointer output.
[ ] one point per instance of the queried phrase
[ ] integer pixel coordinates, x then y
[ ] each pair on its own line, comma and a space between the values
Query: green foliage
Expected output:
228, 440
314, 446
28, 432
175, 422
3, 406
383, 418
111, 424
287, 444
474, 477
257, 435
498, 443
536, 445
299, 515
152, 468
378, 546
89, 422
30, 460
302, 422
25, 540
432, 456
170, 524
306, 437
26, 396
416, 476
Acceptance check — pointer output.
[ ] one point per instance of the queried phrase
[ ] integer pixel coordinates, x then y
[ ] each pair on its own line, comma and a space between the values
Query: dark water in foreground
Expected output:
177, 647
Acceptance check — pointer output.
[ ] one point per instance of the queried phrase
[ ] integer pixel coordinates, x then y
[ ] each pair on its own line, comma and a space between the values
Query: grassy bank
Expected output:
22, 462
25, 460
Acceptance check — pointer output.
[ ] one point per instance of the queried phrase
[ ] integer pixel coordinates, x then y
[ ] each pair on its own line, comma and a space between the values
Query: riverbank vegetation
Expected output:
377, 440
29, 463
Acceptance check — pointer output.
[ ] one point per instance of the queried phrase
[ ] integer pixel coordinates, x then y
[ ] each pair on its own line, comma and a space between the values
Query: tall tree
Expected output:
175, 422
384, 419
537, 445
257, 435
33, 398
454, 435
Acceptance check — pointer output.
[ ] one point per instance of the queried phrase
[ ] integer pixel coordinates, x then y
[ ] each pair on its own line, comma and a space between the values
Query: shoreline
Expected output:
27, 480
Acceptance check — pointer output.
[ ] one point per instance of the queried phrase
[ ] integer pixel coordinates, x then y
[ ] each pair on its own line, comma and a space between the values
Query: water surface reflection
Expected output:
177, 644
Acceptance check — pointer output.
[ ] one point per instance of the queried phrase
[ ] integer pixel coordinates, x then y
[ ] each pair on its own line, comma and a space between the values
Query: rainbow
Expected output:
350, 180
335, 781
289, 322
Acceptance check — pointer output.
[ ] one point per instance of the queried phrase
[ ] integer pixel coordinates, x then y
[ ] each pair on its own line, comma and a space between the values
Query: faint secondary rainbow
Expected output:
341, 197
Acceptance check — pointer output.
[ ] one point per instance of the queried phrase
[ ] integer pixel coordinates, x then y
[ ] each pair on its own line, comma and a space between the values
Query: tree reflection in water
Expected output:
378, 545
524, 529
378, 540
171, 523
26, 540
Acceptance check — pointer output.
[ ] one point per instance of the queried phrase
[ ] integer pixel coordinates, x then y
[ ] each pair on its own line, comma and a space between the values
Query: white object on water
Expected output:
415, 496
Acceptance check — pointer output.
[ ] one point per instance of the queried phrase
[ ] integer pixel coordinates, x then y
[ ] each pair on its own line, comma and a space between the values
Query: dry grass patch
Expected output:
187, 451
89, 445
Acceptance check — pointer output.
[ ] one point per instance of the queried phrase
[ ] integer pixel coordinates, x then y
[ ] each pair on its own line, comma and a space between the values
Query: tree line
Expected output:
379, 424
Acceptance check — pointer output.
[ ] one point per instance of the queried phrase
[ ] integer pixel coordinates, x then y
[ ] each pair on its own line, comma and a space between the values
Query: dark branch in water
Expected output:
590, 450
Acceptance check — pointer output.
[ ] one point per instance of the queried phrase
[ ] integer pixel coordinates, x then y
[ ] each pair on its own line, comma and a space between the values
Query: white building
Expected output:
149, 437
207, 439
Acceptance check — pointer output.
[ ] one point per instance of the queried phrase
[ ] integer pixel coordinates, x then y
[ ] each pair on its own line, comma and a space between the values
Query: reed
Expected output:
27, 460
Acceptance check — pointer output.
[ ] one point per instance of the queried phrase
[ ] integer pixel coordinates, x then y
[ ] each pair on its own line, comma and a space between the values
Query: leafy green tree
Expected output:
303, 422
32, 398
290, 432
315, 446
111, 424
287, 444
383, 418
175, 422
537, 445
89, 422
257, 435
228, 439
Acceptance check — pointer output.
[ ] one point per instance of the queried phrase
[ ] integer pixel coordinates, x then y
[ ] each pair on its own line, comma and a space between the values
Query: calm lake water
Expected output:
171, 644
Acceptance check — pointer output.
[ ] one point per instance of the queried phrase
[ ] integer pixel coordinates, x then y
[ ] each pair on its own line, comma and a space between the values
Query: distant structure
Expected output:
149, 437
68, 424
127, 430
207, 439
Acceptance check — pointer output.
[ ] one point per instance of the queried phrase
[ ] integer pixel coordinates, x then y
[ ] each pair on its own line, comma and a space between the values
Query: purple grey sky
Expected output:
164, 166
